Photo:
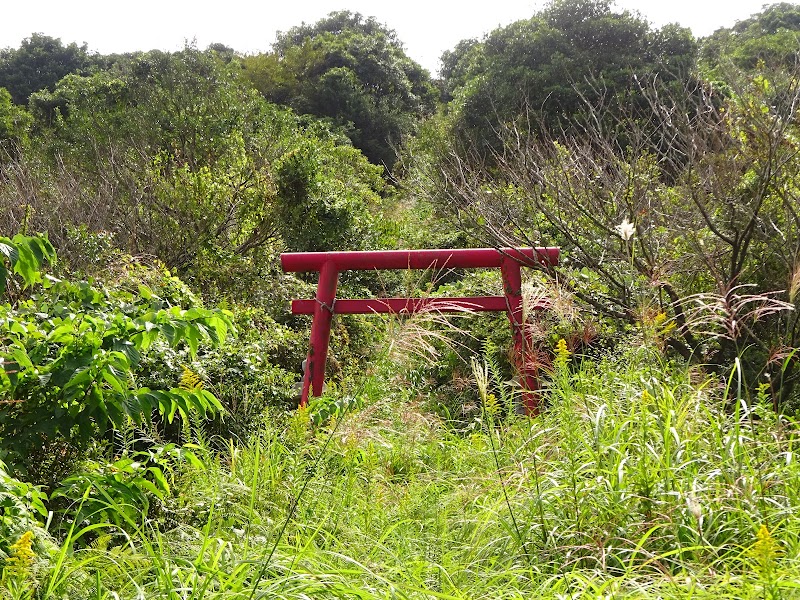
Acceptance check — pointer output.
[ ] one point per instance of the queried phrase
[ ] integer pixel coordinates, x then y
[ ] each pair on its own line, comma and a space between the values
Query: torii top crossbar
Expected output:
329, 264
458, 258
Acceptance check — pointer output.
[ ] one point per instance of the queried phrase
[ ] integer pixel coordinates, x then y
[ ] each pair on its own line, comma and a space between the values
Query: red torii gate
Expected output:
330, 264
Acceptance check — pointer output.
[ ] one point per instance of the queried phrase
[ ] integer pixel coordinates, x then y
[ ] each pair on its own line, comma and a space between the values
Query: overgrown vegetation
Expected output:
150, 439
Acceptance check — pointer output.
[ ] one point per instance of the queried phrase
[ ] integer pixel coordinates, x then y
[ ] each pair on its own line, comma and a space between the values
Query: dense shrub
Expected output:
70, 354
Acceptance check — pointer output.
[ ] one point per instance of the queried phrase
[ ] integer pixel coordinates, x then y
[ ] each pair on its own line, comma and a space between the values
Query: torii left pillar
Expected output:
314, 377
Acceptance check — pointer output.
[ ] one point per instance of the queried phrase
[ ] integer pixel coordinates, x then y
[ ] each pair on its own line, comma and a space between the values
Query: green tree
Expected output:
39, 63
22, 258
546, 68
176, 157
14, 124
352, 71
225, 53
770, 37
321, 199
456, 66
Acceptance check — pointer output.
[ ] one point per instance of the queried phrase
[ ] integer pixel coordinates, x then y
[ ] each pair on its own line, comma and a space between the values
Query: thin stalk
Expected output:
265, 560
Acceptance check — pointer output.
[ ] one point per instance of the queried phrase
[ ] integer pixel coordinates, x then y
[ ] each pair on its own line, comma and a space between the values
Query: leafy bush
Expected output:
242, 374
23, 506
69, 356
24, 256
121, 492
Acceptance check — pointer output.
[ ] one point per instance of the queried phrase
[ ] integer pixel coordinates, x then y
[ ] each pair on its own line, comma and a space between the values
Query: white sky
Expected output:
426, 27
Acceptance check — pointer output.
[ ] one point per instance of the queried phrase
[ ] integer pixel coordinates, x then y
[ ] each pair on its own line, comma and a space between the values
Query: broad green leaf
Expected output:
192, 458
148, 485
112, 380
26, 265
21, 358
160, 480
63, 334
192, 335
145, 292
124, 464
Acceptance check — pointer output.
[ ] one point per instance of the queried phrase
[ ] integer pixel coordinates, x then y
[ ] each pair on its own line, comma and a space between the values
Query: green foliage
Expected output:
23, 256
198, 182
121, 492
250, 375
353, 71
456, 66
69, 356
635, 481
14, 125
544, 69
116, 493
321, 204
446, 382
39, 63
172, 155
23, 506
673, 223
768, 38
643, 477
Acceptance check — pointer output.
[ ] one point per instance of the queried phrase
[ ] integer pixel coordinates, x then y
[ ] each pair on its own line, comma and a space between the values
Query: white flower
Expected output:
626, 229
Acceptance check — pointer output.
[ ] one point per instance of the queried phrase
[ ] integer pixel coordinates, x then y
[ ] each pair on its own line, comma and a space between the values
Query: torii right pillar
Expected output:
526, 364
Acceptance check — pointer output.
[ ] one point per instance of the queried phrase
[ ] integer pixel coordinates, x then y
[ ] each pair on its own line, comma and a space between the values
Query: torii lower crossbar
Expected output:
323, 307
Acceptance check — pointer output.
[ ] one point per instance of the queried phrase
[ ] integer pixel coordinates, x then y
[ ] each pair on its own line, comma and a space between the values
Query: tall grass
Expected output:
642, 479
